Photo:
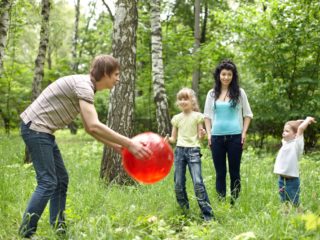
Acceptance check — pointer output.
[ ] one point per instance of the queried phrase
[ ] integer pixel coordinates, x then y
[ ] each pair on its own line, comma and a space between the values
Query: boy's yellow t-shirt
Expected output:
187, 128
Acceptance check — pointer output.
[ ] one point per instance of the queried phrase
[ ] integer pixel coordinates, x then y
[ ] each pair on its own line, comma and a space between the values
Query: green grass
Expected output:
99, 211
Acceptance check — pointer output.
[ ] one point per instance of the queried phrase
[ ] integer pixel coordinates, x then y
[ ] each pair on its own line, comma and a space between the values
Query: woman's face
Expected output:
226, 77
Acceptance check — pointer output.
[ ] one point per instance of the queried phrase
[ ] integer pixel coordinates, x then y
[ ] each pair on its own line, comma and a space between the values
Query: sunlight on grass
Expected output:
96, 210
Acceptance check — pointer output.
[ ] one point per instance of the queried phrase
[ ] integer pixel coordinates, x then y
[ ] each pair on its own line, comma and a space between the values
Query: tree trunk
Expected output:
196, 68
39, 63
44, 40
5, 6
121, 104
160, 96
73, 127
75, 38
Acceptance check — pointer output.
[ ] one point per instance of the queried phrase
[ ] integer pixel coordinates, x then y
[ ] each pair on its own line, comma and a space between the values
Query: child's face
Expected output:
185, 105
288, 134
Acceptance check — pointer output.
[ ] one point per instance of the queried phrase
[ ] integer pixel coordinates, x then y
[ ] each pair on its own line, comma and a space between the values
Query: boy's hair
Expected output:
103, 65
188, 94
294, 124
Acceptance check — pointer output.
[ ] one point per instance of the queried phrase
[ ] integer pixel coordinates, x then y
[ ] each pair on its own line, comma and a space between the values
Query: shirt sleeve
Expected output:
200, 118
299, 144
174, 121
208, 105
84, 90
246, 109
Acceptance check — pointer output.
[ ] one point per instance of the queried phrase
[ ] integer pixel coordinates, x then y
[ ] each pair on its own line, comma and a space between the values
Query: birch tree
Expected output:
196, 69
121, 103
75, 62
44, 41
5, 6
4, 26
40, 60
160, 96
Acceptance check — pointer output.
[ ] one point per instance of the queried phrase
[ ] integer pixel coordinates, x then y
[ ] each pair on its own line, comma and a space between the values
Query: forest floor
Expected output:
96, 210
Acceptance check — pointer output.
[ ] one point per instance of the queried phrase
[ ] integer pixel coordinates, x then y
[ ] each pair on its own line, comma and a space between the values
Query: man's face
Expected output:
112, 80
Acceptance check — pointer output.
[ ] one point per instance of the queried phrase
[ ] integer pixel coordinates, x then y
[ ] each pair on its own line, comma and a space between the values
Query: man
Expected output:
55, 108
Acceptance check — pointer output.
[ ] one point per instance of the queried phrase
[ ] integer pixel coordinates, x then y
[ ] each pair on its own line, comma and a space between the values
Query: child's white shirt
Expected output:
287, 159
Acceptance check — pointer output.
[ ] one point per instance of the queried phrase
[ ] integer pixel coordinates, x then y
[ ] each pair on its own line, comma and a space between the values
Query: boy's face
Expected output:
288, 134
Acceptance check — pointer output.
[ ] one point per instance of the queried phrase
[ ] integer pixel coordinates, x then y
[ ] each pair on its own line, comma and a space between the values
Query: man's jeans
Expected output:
52, 179
289, 190
190, 156
221, 146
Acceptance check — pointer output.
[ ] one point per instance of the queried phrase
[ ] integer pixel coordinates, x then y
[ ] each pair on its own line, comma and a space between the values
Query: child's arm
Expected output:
174, 134
207, 123
303, 126
201, 131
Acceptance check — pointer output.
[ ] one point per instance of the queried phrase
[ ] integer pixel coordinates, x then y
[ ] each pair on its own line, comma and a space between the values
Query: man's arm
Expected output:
105, 134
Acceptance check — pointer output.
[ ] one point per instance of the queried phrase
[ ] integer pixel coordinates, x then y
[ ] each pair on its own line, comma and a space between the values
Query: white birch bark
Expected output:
196, 68
160, 96
121, 102
43, 45
4, 26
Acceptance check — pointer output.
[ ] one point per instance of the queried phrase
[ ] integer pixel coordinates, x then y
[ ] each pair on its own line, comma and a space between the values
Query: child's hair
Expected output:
188, 94
294, 125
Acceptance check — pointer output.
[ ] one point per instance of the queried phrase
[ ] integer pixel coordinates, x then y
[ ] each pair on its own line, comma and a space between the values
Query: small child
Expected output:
187, 129
286, 165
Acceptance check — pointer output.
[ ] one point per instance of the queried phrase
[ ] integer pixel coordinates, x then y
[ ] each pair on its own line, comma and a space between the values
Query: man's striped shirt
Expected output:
58, 104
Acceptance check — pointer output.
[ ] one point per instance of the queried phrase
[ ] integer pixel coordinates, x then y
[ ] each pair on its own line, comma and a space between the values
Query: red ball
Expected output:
154, 168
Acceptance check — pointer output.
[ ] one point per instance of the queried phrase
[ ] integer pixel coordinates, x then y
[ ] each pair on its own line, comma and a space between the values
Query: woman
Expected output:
227, 117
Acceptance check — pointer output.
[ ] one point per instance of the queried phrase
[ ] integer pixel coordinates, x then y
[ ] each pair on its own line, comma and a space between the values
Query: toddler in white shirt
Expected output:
286, 165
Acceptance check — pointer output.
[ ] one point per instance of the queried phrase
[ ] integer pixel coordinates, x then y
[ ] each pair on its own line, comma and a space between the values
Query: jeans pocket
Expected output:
195, 155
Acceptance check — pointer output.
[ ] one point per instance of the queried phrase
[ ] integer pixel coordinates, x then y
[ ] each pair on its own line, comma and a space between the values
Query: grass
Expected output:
96, 210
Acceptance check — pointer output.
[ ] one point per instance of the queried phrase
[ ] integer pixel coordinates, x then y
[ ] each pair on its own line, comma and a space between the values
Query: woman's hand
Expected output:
243, 138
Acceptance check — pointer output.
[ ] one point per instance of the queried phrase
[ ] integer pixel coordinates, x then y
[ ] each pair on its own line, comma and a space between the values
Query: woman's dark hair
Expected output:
234, 89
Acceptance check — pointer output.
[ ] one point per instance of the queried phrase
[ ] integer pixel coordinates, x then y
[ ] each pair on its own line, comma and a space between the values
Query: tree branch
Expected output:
110, 13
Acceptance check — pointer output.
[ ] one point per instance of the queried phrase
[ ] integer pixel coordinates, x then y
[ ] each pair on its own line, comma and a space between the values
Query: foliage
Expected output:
278, 42
99, 211
274, 43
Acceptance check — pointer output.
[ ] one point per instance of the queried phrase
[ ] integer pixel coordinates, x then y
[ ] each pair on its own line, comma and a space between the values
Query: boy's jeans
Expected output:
221, 147
190, 156
289, 190
52, 179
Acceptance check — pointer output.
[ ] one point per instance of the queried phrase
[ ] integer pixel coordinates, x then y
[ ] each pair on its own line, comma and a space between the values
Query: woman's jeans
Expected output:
221, 147
191, 157
289, 190
52, 179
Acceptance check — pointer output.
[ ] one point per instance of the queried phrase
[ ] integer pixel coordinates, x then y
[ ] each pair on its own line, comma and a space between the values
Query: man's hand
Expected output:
139, 150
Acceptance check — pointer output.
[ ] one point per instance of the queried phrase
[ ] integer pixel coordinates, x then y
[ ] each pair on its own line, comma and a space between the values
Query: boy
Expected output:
286, 165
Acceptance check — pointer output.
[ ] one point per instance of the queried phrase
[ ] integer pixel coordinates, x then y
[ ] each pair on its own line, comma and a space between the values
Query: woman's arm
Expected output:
246, 123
